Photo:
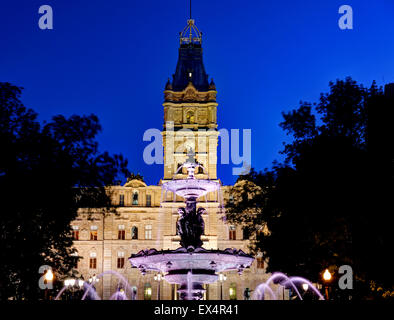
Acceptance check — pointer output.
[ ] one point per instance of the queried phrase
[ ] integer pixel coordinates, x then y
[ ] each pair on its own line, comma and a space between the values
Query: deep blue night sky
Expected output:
113, 58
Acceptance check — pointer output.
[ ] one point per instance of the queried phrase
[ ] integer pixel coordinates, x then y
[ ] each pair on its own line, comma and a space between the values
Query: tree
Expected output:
327, 205
47, 172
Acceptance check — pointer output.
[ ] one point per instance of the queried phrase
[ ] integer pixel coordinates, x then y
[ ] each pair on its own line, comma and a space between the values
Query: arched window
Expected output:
134, 233
190, 117
121, 232
232, 291
133, 293
93, 232
135, 198
120, 262
232, 233
147, 291
75, 232
93, 260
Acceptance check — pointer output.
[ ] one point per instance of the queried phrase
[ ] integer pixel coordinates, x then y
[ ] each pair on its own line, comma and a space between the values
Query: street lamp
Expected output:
49, 275
80, 283
93, 280
305, 286
327, 278
158, 278
222, 278
73, 284
48, 278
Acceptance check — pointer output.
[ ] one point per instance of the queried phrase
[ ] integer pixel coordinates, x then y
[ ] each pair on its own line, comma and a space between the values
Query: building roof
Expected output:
190, 66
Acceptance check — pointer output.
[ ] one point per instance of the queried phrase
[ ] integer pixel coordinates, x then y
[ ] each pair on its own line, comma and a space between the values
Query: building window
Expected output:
135, 198
148, 232
121, 200
120, 262
260, 262
232, 233
232, 291
75, 232
200, 170
147, 291
148, 200
93, 260
190, 117
134, 233
231, 199
121, 232
93, 233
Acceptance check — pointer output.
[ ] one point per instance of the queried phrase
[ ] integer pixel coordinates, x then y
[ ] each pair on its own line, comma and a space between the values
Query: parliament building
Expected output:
146, 216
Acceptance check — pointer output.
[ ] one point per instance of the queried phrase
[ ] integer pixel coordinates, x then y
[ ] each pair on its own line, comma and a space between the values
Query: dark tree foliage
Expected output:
330, 203
47, 172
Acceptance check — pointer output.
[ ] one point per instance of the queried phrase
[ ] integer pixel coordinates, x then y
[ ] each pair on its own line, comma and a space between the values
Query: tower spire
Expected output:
190, 9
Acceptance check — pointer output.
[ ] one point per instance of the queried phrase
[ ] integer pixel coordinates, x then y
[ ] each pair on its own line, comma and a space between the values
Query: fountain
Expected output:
191, 266
285, 281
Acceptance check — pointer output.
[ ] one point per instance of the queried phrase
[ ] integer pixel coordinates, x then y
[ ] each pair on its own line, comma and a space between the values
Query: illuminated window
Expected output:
75, 232
121, 232
135, 198
120, 262
134, 233
148, 200
93, 233
121, 200
93, 260
232, 233
190, 117
232, 291
147, 291
148, 232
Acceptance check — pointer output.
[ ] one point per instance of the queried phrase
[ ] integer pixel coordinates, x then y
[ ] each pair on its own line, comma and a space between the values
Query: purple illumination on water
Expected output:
91, 291
284, 280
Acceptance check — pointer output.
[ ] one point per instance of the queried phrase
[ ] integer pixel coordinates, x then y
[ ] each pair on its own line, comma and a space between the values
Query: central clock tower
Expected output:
190, 110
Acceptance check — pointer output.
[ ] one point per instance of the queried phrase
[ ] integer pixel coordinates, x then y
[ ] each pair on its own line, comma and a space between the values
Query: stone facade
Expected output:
156, 225
146, 217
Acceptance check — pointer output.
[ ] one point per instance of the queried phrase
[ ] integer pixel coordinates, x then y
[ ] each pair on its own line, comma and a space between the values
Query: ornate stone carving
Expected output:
190, 93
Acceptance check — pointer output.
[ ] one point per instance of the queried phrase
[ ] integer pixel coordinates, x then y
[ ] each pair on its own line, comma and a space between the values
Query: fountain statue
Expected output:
191, 266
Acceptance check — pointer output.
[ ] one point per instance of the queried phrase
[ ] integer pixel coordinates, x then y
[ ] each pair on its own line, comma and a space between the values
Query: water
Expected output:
284, 280
189, 285
90, 291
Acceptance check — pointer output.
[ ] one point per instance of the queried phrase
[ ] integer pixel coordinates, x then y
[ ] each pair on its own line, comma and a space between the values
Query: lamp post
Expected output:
158, 278
222, 278
327, 278
48, 278
93, 280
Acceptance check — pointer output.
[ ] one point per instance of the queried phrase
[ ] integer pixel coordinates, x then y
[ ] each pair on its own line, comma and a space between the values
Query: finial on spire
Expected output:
190, 9
190, 34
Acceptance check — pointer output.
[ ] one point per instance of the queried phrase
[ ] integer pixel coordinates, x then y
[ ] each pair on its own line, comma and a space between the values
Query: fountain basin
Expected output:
194, 188
191, 267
